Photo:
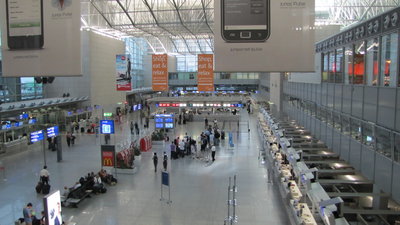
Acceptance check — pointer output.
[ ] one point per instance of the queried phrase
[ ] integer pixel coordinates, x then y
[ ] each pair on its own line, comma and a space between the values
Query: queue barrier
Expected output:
145, 144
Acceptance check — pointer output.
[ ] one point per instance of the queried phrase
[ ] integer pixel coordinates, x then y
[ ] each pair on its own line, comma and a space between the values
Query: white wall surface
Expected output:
276, 90
102, 71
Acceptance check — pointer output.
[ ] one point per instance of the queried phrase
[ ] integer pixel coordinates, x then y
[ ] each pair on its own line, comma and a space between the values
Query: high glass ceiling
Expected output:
186, 26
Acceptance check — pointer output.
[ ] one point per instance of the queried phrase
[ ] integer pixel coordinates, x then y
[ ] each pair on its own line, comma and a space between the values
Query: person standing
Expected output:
44, 175
131, 126
155, 161
137, 128
206, 122
27, 212
213, 152
165, 161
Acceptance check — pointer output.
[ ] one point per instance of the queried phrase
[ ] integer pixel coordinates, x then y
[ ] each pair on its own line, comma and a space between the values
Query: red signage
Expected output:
107, 158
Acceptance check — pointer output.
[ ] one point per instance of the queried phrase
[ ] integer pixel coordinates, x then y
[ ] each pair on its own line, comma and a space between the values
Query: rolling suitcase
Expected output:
46, 189
39, 187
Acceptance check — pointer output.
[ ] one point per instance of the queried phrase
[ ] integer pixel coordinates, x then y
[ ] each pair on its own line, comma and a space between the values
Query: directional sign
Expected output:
52, 131
37, 136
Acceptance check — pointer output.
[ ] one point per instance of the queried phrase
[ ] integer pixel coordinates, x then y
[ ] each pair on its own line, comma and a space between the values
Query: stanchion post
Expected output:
234, 220
229, 201
44, 150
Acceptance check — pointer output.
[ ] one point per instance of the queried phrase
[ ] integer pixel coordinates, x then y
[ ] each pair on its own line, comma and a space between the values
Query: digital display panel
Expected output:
169, 120
159, 125
106, 126
32, 121
159, 120
169, 125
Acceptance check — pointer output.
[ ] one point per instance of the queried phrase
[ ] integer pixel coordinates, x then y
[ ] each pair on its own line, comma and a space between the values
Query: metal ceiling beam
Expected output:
205, 16
101, 14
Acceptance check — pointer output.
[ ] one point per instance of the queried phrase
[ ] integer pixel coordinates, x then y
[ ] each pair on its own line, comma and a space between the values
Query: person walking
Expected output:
69, 137
165, 161
44, 175
27, 213
155, 161
213, 152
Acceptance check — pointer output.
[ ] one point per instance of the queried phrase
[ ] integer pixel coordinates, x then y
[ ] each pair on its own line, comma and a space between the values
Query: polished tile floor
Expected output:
199, 190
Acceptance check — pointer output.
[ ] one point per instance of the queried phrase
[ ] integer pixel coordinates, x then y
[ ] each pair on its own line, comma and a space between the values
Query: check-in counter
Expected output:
295, 192
15, 146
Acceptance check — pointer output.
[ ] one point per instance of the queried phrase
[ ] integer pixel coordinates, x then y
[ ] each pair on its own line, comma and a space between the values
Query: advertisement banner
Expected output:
205, 72
52, 208
41, 38
108, 156
160, 72
264, 35
123, 73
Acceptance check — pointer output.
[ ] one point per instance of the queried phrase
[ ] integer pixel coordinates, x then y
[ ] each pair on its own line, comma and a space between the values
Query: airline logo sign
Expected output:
205, 72
160, 72
107, 158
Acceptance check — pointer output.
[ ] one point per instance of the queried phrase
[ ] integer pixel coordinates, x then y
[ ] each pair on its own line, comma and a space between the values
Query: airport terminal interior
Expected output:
200, 112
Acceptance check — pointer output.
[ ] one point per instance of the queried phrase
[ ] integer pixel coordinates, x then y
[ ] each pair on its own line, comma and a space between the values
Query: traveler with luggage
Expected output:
155, 161
44, 175
213, 152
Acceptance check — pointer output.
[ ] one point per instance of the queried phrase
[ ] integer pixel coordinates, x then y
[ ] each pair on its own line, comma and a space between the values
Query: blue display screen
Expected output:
169, 125
139, 106
52, 131
159, 125
135, 107
169, 120
106, 126
159, 120
37, 136
32, 121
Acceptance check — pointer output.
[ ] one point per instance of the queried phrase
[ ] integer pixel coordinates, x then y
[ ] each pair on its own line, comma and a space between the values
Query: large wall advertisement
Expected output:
41, 38
160, 72
205, 72
123, 73
264, 35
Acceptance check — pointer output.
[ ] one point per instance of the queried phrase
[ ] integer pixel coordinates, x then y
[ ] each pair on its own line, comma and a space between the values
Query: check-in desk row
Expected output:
294, 174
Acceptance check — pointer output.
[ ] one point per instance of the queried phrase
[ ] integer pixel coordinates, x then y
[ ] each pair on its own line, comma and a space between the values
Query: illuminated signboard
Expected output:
107, 114
164, 121
106, 126
37, 136
32, 121
52, 131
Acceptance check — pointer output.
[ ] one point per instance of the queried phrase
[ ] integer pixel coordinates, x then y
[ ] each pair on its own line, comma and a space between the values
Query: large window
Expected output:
345, 125
368, 134
396, 153
186, 63
359, 63
325, 65
372, 62
332, 67
348, 67
339, 65
389, 60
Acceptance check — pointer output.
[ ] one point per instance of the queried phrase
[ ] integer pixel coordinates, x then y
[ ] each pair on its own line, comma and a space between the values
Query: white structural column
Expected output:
276, 88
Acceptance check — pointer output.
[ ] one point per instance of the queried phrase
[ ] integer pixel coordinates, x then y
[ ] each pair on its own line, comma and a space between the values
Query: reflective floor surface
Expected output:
199, 189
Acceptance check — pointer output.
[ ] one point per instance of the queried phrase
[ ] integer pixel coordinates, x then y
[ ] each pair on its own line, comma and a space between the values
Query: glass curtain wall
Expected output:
389, 60
136, 48
359, 63
339, 65
372, 62
348, 66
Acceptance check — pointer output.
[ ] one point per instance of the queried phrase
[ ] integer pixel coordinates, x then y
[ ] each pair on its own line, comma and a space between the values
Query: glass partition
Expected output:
345, 125
355, 129
337, 121
372, 62
368, 134
359, 63
383, 142
396, 153
389, 60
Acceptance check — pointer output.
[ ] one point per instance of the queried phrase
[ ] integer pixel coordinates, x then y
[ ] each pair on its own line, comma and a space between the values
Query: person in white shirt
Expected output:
44, 175
213, 152
182, 148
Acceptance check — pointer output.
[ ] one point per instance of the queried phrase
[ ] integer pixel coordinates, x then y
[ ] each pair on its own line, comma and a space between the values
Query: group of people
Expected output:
29, 216
134, 126
155, 161
180, 148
